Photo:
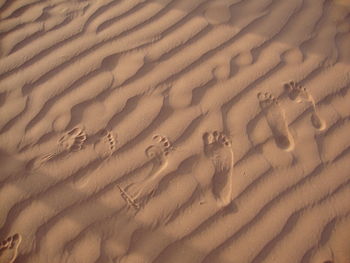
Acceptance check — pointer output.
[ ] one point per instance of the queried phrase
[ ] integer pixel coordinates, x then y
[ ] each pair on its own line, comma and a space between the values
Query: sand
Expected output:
138, 131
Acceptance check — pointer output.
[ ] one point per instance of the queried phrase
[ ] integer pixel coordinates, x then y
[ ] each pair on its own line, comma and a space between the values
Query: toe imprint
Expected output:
111, 141
106, 145
276, 120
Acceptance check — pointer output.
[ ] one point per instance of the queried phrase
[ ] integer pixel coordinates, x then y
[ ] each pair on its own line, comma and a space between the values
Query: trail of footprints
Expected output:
216, 145
216, 148
74, 140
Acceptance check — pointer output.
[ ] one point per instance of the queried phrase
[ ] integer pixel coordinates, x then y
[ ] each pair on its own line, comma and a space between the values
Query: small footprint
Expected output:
9, 248
73, 140
157, 153
106, 145
276, 120
217, 148
299, 94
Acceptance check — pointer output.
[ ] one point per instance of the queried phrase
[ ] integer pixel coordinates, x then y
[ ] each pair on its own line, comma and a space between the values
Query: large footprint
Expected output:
276, 120
157, 153
9, 248
218, 149
298, 93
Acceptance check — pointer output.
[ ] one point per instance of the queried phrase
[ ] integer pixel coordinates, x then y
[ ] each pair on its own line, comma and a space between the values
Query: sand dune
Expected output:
191, 131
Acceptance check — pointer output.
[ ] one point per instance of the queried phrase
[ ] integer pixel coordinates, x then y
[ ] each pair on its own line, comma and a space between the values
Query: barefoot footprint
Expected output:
217, 148
71, 141
106, 145
157, 153
9, 248
299, 94
276, 120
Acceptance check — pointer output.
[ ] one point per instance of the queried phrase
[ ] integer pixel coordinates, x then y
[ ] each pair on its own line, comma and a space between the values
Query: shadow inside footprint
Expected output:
317, 122
276, 120
297, 93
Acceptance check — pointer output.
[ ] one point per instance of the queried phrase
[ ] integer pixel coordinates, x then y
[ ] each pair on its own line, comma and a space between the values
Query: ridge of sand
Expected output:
191, 131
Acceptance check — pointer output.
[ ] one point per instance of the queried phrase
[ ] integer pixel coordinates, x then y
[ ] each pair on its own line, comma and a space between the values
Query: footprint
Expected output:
106, 145
299, 94
157, 153
276, 120
73, 140
159, 150
217, 148
9, 248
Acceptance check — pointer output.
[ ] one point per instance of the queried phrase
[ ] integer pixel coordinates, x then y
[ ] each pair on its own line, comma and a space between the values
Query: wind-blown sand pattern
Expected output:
105, 111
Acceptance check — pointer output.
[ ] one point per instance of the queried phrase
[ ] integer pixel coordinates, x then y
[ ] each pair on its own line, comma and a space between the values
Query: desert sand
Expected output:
136, 131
